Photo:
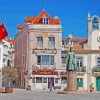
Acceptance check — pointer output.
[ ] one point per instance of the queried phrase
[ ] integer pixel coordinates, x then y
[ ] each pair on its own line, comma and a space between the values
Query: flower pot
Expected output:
92, 89
28, 88
9, 89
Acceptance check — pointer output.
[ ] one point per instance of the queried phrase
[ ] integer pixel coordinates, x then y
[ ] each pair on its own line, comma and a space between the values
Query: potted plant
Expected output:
84, 69
28, 87
91, 87
11, 74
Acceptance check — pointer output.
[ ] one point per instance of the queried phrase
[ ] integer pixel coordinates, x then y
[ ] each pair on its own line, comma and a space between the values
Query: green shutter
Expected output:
98, 83
79, 82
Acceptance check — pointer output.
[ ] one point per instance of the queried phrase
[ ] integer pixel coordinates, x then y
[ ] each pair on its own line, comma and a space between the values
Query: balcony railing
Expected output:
39, 46
81, 69
96, 69
51, 46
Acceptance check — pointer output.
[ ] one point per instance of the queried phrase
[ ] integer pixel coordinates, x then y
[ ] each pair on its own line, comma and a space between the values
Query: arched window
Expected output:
95, 23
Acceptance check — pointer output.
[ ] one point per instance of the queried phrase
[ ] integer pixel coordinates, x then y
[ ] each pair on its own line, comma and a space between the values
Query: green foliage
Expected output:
84, 69
81, 69
10, 73
96, 69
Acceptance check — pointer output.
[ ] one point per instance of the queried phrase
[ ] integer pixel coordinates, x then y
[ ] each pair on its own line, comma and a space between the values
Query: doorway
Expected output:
98, 83
79, 83
50, 80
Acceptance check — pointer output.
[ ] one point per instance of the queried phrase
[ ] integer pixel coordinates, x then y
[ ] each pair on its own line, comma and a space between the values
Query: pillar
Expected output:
72, 81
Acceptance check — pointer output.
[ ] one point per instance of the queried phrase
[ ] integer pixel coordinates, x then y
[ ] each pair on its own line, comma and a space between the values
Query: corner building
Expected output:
38, 52
87, 52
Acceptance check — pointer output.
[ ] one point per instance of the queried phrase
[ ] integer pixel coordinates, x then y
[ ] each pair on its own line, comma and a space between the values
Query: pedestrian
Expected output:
51, 87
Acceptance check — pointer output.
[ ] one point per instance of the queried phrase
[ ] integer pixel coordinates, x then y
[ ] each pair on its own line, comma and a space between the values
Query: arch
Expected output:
95, 16
95, 22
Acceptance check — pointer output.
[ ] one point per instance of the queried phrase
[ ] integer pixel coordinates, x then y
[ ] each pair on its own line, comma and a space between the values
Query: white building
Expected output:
87, 56
6, 55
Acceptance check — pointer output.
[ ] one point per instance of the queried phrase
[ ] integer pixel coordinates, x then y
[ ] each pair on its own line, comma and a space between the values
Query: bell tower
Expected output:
93, 32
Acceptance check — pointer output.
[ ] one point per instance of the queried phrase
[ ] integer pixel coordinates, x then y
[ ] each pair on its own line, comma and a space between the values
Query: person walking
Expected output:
51, 87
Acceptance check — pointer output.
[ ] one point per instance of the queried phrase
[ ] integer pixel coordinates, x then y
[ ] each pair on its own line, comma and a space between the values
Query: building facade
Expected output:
39, 59
87, 56
6, 55
41, 54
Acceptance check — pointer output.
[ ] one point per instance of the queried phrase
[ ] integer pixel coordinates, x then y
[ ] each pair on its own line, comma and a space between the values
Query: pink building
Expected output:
38, 52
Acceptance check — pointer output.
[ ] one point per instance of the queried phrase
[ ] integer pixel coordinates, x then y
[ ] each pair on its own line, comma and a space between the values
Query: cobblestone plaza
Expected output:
46, 95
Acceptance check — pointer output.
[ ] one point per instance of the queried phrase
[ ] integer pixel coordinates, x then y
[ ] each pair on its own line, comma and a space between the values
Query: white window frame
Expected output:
98, 65
79, 60
45, 64
45, 20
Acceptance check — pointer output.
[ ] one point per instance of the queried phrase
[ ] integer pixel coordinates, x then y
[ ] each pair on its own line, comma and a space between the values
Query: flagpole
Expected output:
0, 20
43, 5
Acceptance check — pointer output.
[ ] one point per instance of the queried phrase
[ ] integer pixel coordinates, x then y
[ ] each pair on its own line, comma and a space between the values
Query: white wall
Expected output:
94, 41
1, 56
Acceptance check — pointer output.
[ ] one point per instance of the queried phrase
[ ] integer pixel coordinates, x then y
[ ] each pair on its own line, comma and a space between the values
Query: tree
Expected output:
10, 73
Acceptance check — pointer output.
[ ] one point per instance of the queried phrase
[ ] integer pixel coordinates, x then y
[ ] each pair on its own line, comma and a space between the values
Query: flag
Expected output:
3, 31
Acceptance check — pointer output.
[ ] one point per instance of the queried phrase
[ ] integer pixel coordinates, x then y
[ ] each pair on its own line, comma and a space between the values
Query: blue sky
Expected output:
72, 13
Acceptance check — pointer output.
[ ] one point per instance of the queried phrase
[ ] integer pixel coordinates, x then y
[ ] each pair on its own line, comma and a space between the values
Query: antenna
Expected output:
43, 5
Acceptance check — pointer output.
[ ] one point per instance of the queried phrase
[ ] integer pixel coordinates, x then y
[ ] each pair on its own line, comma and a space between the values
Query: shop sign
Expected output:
45, 73
45, 51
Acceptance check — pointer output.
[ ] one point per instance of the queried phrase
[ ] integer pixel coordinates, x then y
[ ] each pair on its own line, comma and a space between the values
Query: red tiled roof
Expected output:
20, 27
77, 46
29, 19
11, 41
75, 39
37, 20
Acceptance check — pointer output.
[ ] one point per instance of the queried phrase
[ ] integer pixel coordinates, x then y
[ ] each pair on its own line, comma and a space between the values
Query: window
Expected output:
64, 43
95, 23
39, 42
51, 59
38, 60
44, 80
79, 63
8, 62
45, 20
38, 79
45, 60
51, 41
63, 80
98, 61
